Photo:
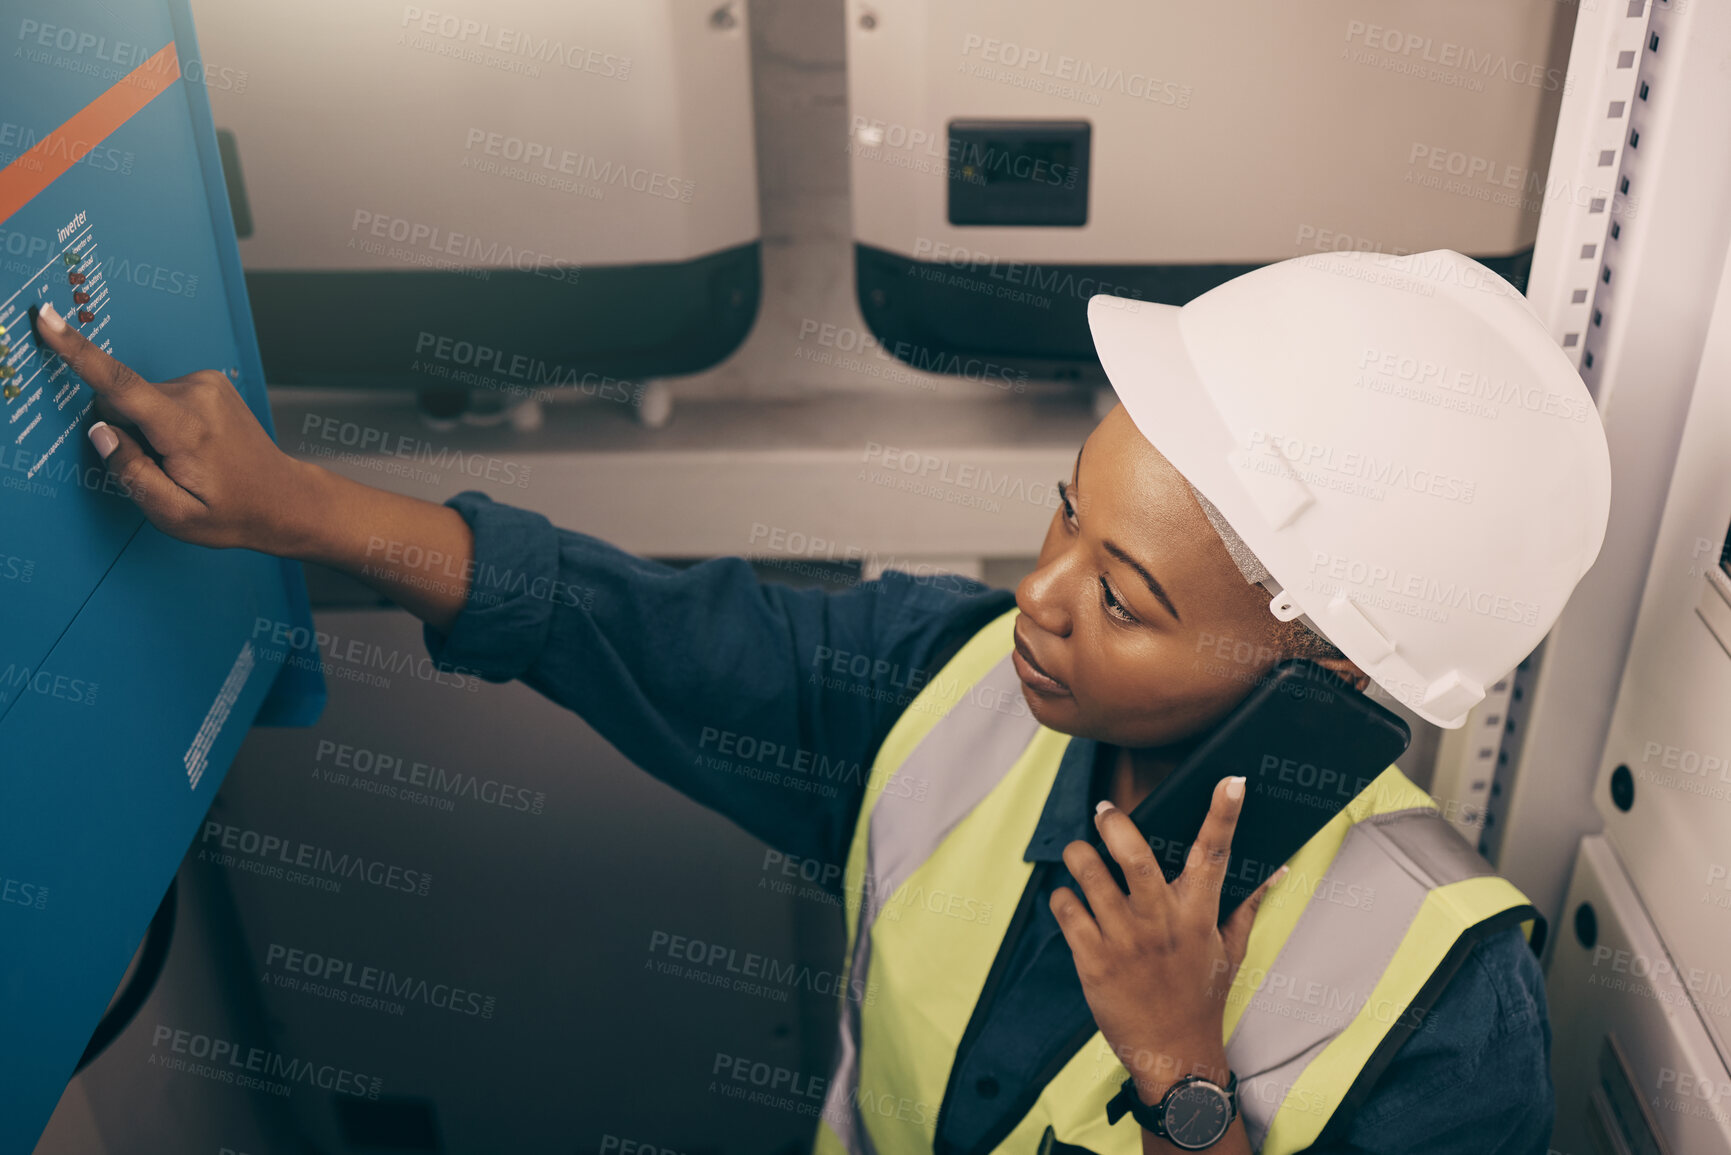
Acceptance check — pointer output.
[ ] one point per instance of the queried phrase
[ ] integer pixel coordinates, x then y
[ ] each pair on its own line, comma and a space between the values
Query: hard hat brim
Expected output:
1141, 346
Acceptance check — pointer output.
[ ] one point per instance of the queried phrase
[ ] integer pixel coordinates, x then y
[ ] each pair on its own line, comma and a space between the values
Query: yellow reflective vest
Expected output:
1326, 993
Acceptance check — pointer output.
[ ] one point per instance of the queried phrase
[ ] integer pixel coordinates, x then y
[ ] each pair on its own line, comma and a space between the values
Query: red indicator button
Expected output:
81, 298
74, 278
86, 315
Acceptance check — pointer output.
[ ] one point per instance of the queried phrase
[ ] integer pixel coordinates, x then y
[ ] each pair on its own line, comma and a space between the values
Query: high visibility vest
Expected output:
1327, 991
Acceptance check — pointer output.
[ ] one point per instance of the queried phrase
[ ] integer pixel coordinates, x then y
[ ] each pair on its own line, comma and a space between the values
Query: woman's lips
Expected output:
1032, 675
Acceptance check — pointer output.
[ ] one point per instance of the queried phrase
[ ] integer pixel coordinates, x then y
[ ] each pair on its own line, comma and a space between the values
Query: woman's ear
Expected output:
1347, 669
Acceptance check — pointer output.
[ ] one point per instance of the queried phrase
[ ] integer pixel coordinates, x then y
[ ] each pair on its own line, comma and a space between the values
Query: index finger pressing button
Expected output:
130, 395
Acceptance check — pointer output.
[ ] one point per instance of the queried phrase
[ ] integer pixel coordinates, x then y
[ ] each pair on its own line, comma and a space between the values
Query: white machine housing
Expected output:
1423, 126
1636, 1071
1664, 783
573, 182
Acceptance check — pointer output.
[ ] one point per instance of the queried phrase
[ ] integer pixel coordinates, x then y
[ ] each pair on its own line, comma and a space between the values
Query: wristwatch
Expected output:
1192, 1115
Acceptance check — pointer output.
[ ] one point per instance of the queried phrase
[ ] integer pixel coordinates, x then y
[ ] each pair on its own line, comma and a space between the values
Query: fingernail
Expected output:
1235, 787
104, 438
1104, 805
1280, 874
55, 322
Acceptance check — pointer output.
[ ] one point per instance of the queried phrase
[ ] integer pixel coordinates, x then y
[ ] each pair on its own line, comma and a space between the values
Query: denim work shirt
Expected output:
695, 673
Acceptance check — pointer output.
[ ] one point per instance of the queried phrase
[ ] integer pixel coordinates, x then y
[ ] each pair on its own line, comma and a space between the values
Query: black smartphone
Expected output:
1306, 742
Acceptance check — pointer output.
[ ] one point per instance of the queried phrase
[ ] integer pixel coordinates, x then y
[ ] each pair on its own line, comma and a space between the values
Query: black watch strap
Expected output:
1125, 1101
1150, 1117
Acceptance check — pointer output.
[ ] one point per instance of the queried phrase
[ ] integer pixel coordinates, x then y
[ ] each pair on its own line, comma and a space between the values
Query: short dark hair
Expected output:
1300, 641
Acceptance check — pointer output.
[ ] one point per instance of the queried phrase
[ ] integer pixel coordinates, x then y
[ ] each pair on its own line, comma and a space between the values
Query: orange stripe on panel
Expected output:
57, 152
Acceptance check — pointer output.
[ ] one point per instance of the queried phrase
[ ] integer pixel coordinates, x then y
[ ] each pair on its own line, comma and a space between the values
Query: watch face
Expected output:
1197, 1115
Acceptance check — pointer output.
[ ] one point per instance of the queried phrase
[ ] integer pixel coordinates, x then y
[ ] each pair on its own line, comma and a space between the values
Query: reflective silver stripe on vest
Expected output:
1386, 866
960, 760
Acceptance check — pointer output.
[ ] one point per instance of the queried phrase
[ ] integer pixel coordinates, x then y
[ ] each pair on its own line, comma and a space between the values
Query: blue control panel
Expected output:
131, 665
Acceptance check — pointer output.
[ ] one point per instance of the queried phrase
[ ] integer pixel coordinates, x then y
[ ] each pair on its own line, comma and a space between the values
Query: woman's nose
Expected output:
1041, 597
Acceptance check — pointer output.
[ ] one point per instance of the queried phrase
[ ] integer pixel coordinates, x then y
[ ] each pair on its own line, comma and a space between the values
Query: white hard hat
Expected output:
1398, 440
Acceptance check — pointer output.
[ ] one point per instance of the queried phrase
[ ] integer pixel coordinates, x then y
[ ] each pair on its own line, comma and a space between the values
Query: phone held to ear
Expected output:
1306, 743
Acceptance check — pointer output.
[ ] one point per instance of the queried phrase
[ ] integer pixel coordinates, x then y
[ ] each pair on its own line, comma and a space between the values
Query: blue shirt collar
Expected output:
1069, 806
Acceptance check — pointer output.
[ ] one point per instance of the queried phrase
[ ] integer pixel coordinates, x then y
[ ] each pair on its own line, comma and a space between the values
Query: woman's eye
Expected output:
1107, 598
1112, 604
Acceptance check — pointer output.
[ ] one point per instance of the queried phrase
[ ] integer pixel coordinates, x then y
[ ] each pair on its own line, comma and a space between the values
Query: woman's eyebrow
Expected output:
1153, 586
1118, 552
